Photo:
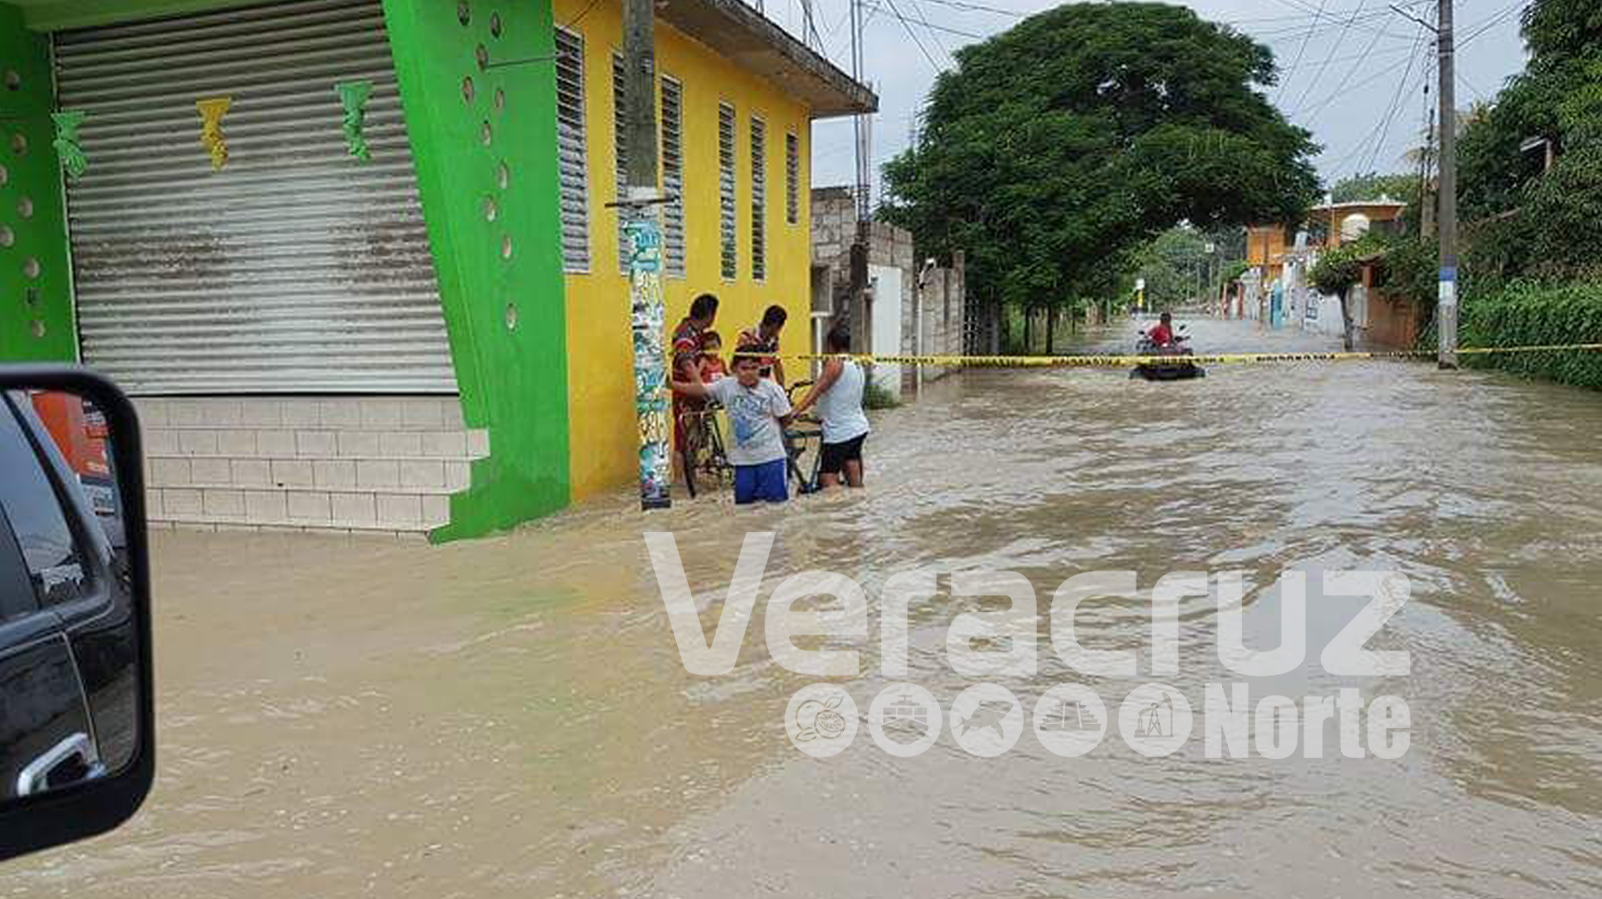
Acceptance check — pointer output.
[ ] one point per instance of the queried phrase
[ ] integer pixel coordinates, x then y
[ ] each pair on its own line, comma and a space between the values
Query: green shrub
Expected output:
875, 396
1527, 313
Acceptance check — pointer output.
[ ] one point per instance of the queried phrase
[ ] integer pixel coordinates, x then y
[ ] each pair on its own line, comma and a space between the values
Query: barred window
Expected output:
620, 147
759, 199
673, 176
728, 225
571, 151
792, 178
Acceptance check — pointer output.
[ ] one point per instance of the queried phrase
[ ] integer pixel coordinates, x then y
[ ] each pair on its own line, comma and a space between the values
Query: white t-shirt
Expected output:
840, 406
753, 419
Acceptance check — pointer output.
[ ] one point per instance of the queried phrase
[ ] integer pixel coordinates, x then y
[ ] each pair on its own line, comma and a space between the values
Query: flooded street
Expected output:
346, 716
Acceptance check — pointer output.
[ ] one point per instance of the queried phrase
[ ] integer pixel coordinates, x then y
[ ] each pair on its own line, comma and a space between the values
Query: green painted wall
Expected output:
36, 321
486, 167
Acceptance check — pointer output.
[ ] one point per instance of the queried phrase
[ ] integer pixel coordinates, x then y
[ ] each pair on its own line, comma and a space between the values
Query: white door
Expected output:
886, 324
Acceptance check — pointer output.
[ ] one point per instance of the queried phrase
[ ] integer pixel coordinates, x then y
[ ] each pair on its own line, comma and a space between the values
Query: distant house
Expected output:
1279, 261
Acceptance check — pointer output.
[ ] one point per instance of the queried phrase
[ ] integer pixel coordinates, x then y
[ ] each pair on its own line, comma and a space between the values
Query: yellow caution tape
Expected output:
1116, 361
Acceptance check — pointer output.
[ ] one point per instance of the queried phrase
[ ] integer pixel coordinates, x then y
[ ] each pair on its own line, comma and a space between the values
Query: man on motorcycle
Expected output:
1162, 333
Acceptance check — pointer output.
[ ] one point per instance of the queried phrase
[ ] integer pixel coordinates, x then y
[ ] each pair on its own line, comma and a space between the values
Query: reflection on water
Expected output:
509, 717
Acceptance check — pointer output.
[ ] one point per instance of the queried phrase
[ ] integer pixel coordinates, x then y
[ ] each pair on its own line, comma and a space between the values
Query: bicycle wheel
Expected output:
690, 451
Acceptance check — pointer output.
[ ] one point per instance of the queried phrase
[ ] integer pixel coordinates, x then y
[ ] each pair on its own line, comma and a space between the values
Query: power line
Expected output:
933, 34
908, 21
1493, 21
1319, 14
1346, 89
1376, 137
1319, 75
1300, 51
979, 7
914, 35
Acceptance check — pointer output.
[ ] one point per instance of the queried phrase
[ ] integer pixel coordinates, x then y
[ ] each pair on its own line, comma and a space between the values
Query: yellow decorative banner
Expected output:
211, 136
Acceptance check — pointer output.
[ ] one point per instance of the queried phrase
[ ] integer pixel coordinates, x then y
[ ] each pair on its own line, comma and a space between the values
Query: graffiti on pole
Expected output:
643, 231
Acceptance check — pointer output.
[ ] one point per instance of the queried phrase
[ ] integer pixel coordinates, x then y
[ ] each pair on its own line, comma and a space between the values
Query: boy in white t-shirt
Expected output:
758, 410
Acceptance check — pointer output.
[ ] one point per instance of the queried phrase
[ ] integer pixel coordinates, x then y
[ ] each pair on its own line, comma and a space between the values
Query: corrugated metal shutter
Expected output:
570, 151
294, 269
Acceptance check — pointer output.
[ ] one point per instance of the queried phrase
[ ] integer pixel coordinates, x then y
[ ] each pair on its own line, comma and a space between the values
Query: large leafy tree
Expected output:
1073, 139
1374, 186
1520, 219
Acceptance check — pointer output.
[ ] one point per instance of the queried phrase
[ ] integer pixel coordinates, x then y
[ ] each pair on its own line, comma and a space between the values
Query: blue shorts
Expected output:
766, 482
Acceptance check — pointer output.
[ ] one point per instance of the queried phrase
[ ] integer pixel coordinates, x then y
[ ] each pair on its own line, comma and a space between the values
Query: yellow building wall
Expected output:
604, 438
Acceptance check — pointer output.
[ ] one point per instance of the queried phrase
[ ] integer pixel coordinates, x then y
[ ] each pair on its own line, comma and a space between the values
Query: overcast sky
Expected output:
1352, 71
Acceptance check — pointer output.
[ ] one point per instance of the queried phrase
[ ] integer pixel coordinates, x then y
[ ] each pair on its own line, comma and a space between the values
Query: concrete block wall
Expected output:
384, 464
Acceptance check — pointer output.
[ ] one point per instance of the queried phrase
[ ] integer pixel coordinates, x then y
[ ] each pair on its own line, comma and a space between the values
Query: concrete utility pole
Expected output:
642, 223
1446, 302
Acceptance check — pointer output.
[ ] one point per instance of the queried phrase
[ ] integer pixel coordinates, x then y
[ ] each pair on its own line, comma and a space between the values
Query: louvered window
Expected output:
571, 151
728, 224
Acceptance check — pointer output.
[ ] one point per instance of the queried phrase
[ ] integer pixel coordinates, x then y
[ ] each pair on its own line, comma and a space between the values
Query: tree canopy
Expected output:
1374, 186
1520, 219
1083, 132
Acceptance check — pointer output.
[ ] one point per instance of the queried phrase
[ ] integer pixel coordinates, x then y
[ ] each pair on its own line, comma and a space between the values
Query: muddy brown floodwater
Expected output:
510, 718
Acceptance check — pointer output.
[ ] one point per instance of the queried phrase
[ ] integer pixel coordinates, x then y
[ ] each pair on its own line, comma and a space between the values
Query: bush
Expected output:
876, 396
1527, 313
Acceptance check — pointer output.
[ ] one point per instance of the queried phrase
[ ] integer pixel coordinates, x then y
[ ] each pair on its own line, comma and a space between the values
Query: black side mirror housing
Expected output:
73, 762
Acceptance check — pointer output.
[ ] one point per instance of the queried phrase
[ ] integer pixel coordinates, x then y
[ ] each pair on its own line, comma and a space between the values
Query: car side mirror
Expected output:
77, 722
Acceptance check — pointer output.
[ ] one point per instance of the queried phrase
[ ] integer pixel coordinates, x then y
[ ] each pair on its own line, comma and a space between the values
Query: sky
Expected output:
1353, 72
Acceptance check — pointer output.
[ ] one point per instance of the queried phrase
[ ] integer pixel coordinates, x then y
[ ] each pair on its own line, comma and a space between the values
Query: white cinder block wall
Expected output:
385, 464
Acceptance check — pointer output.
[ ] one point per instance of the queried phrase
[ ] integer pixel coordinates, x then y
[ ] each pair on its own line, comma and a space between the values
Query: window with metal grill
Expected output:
570, 151
673, 176
620, 147
792, 179
727, 217
759, 199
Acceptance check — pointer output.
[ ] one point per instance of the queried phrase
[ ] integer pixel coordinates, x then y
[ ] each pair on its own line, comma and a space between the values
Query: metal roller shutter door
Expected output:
296, 268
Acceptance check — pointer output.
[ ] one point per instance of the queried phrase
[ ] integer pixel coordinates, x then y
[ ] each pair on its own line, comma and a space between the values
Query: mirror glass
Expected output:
68, 652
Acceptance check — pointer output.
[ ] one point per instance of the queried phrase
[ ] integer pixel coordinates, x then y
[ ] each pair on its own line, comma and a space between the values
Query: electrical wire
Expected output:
1492, 22
1323, 67
1345, 90
1377, 136
905, 23
1300, 52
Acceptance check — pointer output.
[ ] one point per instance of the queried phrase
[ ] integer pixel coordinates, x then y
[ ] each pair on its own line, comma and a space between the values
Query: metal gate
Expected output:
295, 268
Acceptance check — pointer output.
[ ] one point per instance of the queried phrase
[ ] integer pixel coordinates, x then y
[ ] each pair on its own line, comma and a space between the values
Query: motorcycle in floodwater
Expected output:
1181, 369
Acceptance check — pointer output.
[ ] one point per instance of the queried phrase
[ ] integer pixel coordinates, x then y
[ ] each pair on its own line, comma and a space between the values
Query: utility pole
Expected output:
861, 125
1446, 302
642, 223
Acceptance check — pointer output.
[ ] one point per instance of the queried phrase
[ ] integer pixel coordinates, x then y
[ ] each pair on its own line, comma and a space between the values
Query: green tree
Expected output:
1085, 131
1339, 270
1169, 265
1374, 186
1520, 219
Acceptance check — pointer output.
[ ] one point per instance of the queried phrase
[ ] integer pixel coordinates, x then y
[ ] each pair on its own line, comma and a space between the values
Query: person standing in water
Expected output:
838, 396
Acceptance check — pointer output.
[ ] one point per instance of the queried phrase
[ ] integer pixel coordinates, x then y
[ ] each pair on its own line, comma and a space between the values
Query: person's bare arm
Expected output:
691, 388
831, 373
778, 369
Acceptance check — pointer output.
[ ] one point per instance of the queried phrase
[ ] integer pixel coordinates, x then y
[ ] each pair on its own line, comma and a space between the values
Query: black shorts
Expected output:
836, 455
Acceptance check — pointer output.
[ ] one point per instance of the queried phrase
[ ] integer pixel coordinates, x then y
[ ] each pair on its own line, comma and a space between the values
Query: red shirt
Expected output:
1161, 334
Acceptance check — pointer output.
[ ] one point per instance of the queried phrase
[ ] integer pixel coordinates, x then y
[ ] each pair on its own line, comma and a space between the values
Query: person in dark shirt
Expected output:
764, 339
687, 360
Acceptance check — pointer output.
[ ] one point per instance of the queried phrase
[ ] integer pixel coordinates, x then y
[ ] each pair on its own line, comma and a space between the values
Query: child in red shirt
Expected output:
708, 362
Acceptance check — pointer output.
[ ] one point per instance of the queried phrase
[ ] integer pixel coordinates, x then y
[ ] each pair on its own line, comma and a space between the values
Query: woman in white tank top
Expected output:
838, 396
